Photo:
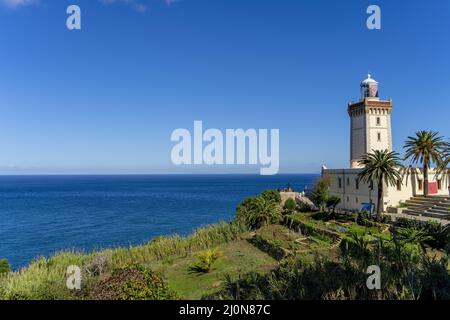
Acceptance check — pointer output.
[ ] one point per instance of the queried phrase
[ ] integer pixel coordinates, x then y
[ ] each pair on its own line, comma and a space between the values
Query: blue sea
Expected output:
40, 215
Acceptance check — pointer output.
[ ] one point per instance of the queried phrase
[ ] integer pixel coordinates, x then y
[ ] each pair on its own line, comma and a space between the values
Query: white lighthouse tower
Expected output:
370, 122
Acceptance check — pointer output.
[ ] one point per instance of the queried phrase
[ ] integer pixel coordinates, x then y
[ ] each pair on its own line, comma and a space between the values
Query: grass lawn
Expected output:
239, 257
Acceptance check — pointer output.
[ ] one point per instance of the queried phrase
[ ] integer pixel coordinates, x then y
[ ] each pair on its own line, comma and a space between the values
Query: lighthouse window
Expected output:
378, 121
340, 182
357, 184
379, 136
420, 184
439, 184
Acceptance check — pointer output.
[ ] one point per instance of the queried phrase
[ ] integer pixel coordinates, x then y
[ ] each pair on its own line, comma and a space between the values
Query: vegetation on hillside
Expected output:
132, 283
270, 251
46, 278
413, 258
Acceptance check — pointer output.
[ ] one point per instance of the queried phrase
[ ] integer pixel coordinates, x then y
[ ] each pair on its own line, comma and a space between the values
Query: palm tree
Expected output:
413, 236
426, 147
264, 212
443, 167
259, 211
380, 167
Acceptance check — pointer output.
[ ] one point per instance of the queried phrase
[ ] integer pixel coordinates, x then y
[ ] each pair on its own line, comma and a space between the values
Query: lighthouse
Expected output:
370, 122
370, 125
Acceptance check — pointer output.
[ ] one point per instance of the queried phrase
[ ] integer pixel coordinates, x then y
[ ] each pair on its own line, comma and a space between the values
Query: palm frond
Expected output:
381, 166
426, 147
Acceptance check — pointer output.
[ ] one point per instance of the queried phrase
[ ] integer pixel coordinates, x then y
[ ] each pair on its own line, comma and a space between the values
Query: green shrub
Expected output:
386, 219
356, 245
43, 279
271, 195
438, 235
289, 206
4, 266
258, 211
205, 260
402, 204
133, 283
410, 223
244, 210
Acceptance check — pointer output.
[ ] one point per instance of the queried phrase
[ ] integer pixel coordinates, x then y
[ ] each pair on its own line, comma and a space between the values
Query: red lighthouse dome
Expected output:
369, 88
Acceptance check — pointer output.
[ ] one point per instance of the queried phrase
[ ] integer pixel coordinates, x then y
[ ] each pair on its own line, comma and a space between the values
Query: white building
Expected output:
370, 129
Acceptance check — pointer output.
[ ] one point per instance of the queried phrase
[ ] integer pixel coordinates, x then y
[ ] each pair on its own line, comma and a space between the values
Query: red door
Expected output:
432, 188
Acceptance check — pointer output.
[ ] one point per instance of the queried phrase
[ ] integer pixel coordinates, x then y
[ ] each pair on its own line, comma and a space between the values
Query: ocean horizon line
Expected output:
151, 174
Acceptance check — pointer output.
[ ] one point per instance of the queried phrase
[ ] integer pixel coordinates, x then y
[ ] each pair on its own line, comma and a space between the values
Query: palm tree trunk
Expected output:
425, 180
380, 200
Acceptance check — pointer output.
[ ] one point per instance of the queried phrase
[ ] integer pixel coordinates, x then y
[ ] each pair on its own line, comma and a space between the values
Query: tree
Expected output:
271, 195
264, 212
443, 167
426, 147
289, 206
320, 192
244, 210
258, 211
380, 167
332, 202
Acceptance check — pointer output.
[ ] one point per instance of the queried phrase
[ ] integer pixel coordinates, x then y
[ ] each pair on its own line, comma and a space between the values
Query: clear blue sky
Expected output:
106, 99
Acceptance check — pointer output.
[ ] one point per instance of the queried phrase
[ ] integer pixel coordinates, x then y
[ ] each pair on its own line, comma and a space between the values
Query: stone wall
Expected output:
288, 194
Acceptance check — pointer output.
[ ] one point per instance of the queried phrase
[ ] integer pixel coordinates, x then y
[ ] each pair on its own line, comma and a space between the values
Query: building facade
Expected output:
370, 129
